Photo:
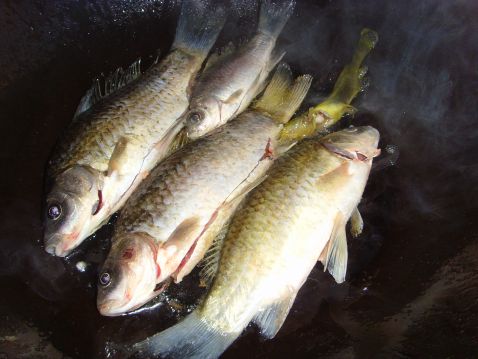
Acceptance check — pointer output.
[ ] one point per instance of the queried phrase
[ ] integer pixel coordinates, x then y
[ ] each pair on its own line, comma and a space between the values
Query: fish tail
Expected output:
283, 96
199, 26
350, 82
273, 17
190, 338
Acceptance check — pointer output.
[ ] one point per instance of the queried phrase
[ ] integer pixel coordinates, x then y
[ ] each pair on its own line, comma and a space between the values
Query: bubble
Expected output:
81, 266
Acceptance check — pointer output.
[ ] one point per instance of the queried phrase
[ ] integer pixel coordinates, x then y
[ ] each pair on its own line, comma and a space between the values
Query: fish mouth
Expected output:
61, 245
118, 307
112, 308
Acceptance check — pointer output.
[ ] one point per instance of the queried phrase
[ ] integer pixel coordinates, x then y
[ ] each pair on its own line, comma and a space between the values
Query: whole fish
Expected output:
171, 220
110, 147
232, 80
294, 218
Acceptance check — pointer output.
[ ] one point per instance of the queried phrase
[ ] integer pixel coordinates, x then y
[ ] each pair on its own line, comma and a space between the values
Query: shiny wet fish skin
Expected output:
175, 204
184, 202
232, 79
111, 147
296, 216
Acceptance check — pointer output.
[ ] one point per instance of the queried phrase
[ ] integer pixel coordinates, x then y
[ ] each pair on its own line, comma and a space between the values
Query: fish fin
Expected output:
275, 90
350, 82
179, 141
105, 86
273, 16
218, 222
335, 255
88, 100
270, 320
186, 229
119, 157
356, 223
174, 138
210, 262
282, 97
191, 338
236, 95
261, 81
218, 55
197, 29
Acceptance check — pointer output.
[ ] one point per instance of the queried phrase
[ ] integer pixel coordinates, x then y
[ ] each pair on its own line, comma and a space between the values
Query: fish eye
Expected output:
351, 129
105, 279
194, 117
54, 211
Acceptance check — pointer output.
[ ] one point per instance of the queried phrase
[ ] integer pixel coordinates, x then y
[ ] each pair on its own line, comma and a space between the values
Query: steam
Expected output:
423, 83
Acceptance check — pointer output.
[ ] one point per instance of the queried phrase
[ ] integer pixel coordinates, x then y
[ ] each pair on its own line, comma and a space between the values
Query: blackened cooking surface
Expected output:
412, 282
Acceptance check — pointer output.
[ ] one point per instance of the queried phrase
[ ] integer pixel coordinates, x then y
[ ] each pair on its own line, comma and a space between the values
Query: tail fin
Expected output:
349, 84
350, 81
273, 17
190, 338
282, 97
199, 26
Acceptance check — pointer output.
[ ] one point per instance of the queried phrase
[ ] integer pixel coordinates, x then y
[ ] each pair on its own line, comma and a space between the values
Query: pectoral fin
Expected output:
187, 229
174, 138
335, 255
356, 223
119, 157
210, 262
235, 96
270, 319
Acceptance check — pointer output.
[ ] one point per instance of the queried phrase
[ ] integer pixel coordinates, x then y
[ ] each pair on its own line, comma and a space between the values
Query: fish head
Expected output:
128, 277
203, 116
355, 143
69, 206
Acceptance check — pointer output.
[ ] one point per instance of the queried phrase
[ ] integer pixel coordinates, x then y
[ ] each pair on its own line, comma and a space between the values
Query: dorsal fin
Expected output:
283, 96
104, 86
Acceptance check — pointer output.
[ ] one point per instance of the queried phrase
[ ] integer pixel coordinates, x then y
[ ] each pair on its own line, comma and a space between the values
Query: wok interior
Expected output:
410, 288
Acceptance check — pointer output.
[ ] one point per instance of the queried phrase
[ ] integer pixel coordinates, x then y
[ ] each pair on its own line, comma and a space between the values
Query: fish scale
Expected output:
120, 133
266, 232
176, 213
148, 107
166, 181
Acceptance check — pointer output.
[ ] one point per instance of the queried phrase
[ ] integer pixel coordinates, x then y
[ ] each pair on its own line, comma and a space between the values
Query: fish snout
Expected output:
110, 307
56, 246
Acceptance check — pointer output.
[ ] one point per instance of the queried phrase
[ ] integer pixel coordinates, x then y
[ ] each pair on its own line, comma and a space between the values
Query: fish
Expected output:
169, 223
294, 218
233, 78
117, 136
